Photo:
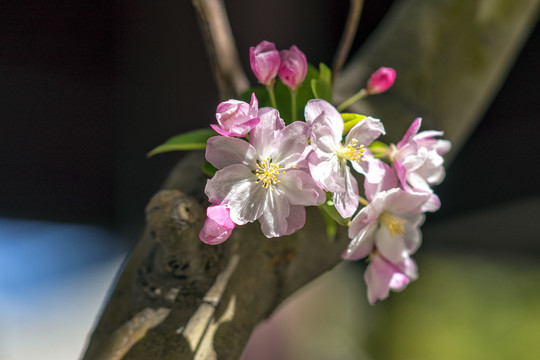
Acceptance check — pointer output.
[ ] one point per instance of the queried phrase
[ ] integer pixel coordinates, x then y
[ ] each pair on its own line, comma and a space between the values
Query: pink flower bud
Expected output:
381, 80
265, 61
218, 225
236, 118
293, 67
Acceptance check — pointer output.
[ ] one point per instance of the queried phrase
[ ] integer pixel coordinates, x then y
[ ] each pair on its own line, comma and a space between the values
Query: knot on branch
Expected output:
179, 259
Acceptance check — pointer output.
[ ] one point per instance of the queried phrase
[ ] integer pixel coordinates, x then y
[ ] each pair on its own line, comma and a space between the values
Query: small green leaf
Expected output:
329, 208
349, 120
325, 73
322, 86
193, 140
209, 169
303, 95
379, 149
331, 225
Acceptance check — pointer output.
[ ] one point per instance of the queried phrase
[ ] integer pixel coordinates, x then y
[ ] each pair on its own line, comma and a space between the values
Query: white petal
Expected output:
234, 186
223, 151
300, 188
327, 172
263, 135
315, 108
365, 131
362, 240
391, 247
346, 202
324, 136
274, 219
290, 144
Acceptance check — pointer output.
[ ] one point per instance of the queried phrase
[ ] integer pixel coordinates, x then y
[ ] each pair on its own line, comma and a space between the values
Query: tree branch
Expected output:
230, 78
349, 32
178, 298
450, 56
181, 299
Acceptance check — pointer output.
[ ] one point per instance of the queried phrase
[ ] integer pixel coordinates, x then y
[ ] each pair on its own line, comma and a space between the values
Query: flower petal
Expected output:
346, 202
292, 141
388, 179
317, 107
324, 138
326, 172
362, 242
234, 186
262, 137
296, 218
224, 151
300, 188
366, 131
274, 219
411, 131
391, 247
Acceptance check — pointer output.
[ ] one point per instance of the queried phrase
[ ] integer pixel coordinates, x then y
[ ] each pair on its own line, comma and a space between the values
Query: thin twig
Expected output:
230, 78
351, 26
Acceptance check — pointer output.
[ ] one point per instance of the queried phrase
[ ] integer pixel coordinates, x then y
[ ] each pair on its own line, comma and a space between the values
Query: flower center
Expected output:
392, 223
353, 151
267, 173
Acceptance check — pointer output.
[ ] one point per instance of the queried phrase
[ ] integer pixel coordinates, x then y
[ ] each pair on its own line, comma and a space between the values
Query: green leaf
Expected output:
378, 149
331, 225
303, 95
349, 120
193, 140
322, 86
209, 169
329, 208
325, 73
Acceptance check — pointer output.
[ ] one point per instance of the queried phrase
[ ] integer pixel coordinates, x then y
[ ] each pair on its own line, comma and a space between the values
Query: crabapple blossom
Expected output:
265, 61
381, 80
389, 224
236, 118
418, 161
382, 275
293, 68
264, 179
218, 225
329, 161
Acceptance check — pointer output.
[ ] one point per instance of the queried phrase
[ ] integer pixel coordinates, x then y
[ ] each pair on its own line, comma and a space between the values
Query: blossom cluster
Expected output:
269, 171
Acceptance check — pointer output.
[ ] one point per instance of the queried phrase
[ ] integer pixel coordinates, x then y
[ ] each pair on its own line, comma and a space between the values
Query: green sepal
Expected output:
193, 140
330, 209
209, 169
349, 120
379, 149
322, 86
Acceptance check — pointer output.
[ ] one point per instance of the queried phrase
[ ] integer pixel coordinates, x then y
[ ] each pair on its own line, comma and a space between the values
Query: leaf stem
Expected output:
293, 105
359, 95
270, 89
363, 201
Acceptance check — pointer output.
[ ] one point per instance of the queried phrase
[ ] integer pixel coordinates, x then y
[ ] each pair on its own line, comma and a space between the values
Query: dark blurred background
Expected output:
87, 88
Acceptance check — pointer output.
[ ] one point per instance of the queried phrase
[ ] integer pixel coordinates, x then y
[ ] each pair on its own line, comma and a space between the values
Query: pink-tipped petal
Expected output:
293, 68
218, 225
265, 61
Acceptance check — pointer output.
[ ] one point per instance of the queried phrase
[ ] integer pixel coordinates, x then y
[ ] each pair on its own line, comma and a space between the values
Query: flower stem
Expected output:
359, 95
293, 105
363, 201
270, 89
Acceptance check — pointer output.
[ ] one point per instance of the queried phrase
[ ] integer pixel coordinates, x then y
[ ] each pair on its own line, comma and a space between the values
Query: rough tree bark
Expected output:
178, 298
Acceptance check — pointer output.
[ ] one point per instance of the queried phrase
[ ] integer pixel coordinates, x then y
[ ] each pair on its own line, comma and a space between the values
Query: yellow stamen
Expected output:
267, 173
392, 223
353, 151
